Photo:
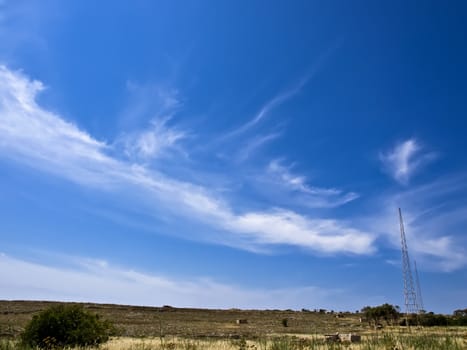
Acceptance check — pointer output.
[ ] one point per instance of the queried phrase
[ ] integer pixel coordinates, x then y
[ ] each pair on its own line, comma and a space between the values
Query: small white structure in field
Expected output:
343, 338
242, 321
350, 338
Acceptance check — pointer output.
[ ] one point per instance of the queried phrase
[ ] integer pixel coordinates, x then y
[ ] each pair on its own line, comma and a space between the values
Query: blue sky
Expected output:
232, 154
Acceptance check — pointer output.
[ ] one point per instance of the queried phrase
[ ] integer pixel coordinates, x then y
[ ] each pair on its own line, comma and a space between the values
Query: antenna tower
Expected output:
410, 298
419, 290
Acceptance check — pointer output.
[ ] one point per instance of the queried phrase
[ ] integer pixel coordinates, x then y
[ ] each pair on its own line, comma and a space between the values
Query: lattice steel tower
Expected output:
419, 290
410, 297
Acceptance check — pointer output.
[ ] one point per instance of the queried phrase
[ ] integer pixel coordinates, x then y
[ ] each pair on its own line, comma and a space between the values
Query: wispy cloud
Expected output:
405, 159
44, 140
91, 280
255, 144
32, 135
153, 142
268, 107
283, 178
260, 139
146, 102
435, 216
286, 94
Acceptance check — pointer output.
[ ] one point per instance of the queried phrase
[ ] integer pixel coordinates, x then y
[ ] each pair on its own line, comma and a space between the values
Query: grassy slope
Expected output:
154, 321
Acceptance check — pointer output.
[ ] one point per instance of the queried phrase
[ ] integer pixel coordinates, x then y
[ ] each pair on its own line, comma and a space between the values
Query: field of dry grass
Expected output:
423, 340
134, 321
167, 328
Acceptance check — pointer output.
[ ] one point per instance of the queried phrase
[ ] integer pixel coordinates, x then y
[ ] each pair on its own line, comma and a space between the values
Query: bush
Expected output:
65, 325
459, 321
431, 320
386, 311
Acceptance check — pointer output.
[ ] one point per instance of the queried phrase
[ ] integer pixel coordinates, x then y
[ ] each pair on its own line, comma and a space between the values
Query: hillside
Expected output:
155, 321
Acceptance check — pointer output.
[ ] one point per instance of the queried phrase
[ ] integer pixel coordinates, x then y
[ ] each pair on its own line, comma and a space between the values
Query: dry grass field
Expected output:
423, 340
384, 341
147, 328
134, 321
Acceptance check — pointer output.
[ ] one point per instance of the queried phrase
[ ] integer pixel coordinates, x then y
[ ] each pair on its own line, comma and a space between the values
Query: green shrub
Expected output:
65, 325
431, 319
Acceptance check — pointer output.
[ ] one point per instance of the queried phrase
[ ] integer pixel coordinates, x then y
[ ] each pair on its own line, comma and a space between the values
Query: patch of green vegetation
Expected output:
65, 325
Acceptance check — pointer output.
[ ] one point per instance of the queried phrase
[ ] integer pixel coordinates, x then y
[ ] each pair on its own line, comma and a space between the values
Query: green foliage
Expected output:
459, 321
460, 313
431, 319
386, 312
65, 325
460, 318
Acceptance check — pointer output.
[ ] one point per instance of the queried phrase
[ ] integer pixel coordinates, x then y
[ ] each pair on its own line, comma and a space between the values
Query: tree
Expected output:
66, 325
430, 319
376, 314
460, 317
460, 313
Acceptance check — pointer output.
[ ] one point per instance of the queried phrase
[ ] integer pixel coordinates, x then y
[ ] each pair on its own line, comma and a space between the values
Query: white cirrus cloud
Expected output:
254, 144
268, 107
283, 178
155, 141
435, 218
405, 159
287, 94
147, 102
32, 135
